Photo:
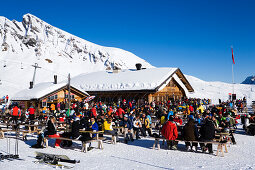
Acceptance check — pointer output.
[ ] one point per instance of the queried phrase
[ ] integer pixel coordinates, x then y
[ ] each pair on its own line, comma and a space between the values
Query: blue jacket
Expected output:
126, 124
94, 127
171, 113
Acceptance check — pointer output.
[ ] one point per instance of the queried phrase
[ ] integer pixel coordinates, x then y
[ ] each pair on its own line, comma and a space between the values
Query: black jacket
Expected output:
51, 130
207, 130
190, 132
76, 126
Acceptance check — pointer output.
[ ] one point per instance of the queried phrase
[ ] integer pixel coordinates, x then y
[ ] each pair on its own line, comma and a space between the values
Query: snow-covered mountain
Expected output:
249, 80
57, 52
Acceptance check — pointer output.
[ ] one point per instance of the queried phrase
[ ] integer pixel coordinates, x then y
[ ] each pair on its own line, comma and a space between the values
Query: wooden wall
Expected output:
172, 91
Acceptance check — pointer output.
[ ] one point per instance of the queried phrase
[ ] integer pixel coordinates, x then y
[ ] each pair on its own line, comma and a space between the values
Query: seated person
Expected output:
128, 129
107, 128
145, 125
207, 132
93, 126
51, 131
137, 126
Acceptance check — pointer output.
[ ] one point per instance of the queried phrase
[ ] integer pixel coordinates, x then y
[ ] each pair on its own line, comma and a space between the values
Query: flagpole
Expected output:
233, 81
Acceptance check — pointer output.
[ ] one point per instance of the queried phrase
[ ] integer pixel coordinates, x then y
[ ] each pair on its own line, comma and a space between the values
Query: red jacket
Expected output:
31, 111
169, 131
120, 111
16, 111
178, 120
93, 112
191, 108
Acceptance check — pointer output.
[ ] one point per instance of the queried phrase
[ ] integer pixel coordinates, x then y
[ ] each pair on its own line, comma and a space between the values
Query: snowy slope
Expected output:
56, 51
220, 90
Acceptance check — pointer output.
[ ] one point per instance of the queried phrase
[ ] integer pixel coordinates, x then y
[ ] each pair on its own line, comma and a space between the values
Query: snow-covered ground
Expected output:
139, 155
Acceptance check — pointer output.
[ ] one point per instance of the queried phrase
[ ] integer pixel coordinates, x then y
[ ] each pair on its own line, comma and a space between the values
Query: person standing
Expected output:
15, 113
6, 99
190, 133
31, 112
52, 107
170, 132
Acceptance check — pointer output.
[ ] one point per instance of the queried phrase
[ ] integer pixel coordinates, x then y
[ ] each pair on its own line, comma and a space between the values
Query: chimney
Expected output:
31, 85
55, 79
138, 66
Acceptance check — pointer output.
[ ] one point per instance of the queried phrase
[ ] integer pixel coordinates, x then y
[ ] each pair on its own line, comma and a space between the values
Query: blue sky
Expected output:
195, 36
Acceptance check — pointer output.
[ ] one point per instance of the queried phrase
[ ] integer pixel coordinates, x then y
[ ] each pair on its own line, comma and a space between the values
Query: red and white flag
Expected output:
233, 56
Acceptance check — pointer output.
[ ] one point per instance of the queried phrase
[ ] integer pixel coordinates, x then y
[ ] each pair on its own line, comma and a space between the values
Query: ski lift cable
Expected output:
29, 64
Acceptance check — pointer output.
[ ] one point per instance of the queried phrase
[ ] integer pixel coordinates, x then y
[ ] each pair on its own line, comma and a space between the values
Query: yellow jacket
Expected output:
107, 126
146, 122
162, 120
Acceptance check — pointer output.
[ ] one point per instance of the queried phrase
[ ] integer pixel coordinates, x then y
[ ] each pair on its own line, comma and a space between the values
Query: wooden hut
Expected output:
159, 84
44, 94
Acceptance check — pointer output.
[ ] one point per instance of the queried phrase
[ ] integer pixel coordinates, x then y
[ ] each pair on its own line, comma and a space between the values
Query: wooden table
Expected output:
92, 132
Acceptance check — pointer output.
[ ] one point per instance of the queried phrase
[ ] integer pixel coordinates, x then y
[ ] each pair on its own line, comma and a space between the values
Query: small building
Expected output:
159, 84
44, 94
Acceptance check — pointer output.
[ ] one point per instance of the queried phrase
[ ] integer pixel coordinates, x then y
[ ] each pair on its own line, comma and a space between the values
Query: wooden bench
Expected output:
84, 143
26, 132
219, 142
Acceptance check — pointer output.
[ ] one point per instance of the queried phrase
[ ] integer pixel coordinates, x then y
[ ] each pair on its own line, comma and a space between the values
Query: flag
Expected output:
233, 56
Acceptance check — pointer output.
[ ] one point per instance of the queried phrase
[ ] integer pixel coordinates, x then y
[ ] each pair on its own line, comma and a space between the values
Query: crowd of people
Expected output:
194, 121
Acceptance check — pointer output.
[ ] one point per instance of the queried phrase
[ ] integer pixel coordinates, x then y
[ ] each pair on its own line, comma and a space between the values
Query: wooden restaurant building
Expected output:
159, 84
45, 94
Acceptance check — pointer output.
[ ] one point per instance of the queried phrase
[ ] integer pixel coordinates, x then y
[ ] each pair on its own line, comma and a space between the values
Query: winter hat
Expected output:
191, 116
126, 115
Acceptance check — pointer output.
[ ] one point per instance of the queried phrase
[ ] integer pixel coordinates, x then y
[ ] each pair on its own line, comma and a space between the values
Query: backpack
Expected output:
39, 142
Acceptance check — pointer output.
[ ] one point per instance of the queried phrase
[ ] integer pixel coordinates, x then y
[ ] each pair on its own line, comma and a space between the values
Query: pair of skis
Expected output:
53, 160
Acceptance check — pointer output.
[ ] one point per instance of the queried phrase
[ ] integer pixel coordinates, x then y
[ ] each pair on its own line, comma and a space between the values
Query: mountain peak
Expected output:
249, 80
57, 52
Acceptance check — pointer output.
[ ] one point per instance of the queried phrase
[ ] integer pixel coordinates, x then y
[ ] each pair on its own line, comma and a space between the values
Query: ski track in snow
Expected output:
139, 155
